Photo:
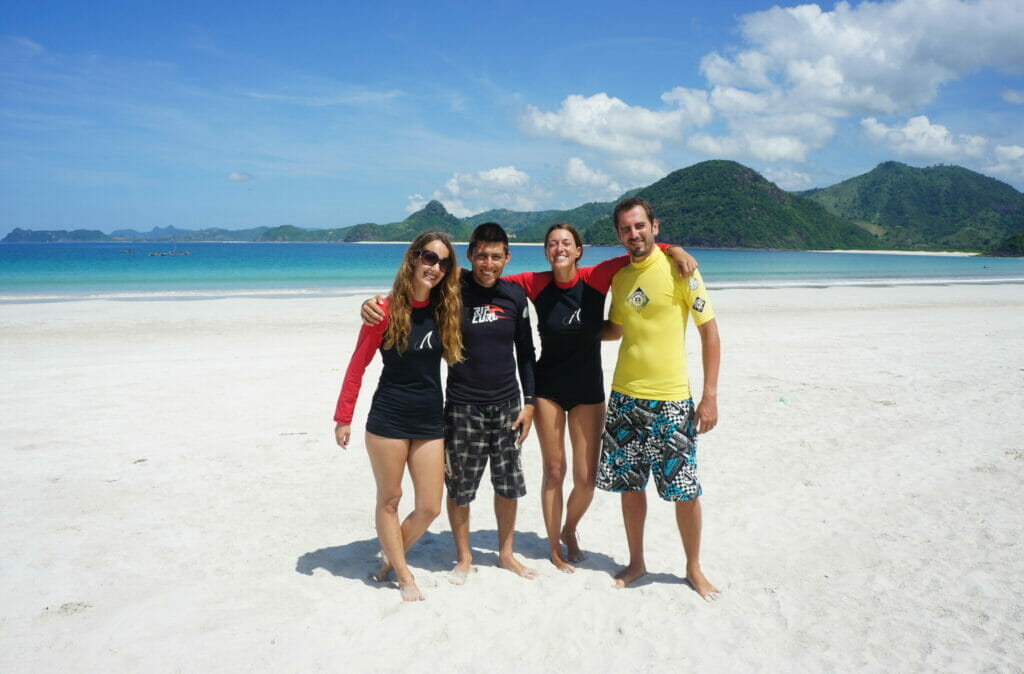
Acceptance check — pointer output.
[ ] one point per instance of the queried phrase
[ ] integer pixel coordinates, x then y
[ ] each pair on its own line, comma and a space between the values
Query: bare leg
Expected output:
549, 422
688, 518
585, 425
505, 514
426, 468
458, 518
387, 458
634, 516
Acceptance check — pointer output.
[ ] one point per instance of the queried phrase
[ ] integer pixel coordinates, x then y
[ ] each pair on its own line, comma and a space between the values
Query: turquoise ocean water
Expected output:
67, 271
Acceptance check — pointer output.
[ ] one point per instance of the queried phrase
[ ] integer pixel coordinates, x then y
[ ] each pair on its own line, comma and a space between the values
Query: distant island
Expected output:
713, 204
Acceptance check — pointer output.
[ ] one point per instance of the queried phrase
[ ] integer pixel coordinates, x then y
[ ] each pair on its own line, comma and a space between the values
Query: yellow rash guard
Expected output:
653, 304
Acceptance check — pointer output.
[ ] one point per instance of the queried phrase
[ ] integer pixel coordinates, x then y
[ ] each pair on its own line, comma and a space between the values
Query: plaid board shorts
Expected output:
643, 437
472, 435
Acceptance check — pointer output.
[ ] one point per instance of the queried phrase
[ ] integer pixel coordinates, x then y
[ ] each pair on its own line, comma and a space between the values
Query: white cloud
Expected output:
1008, 162
607, 123
747, 69
15, 48
788, 179
351, 96
875, 57
921, 139
640, 171
799, 71
1015, 96
768, 138
416, 202
578, 174
465, 194
1009, 153
239, 177
884, 57
693, 103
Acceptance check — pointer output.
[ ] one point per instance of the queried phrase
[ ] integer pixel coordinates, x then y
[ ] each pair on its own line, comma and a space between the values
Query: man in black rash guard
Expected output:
483, 417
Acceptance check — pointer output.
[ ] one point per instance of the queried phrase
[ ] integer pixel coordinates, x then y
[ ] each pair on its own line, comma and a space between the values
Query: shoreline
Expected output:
306, 292
941, 253
950, 253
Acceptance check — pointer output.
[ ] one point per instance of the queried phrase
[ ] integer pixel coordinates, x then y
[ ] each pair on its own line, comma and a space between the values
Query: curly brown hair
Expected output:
445, 298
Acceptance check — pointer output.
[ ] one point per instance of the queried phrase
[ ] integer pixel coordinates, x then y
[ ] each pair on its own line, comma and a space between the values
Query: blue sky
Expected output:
127, 114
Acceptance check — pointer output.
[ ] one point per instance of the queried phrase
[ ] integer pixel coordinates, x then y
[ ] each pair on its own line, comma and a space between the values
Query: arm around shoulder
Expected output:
611, 331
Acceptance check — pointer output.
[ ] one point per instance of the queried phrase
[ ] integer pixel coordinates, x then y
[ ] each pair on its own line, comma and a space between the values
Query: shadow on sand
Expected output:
435, 552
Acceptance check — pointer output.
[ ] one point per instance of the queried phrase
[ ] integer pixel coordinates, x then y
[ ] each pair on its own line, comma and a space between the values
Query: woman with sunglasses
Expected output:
405, 425
568, 380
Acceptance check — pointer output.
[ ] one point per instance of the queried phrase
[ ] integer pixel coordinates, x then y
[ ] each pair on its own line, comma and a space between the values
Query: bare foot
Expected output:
461, 572
571, 539
702, 585
512, 564
385, 568
560, 563
410, 592
629, 574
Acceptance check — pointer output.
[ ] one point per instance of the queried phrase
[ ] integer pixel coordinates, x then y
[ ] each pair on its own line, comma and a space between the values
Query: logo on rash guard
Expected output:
426, 342
488, 313
638, 299
573, 318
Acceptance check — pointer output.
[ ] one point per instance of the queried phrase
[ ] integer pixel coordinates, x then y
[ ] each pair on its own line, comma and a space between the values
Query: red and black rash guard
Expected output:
569, 319
494, 321
407, 402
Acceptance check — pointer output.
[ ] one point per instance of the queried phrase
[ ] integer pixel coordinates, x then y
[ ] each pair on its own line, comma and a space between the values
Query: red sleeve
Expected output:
530, 281
599, 276
367, 343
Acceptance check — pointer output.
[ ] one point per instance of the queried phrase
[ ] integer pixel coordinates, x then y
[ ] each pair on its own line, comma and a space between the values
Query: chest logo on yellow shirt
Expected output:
638, 299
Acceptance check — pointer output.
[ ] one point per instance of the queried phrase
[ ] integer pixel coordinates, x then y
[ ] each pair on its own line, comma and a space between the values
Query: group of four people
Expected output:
479, 323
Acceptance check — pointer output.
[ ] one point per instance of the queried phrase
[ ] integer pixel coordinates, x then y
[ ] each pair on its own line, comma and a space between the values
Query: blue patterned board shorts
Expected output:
472, 435
643, 437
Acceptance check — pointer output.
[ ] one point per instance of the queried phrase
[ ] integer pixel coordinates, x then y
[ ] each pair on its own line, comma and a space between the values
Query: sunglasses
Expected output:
430, 258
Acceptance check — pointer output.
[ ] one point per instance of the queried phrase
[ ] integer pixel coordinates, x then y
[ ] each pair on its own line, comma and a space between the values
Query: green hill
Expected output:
725, 204
1011, 247
18, 235
711, 204
530, 226
940, 207
432, 217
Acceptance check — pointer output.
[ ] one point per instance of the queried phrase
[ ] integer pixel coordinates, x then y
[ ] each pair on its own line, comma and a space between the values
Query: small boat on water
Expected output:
128, 251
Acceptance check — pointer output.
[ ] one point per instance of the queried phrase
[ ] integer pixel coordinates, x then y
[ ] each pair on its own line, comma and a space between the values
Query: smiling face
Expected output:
636, 232
488, 260
424, 276
561, 250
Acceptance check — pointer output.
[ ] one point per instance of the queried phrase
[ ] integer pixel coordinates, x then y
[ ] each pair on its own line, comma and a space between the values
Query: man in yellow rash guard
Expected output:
651, 426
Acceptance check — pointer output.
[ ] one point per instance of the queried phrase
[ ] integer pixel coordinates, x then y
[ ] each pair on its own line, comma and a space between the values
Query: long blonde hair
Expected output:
445, 298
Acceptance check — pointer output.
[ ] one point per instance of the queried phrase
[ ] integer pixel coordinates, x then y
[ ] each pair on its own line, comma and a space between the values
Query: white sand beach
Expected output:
172, 500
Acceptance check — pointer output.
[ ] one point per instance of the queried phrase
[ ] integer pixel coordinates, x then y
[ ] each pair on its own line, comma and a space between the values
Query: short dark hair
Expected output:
569, 228
488, 232
628, 204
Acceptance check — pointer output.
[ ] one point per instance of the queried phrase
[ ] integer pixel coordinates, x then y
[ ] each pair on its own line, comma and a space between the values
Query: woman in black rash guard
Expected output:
568, 380
405, 426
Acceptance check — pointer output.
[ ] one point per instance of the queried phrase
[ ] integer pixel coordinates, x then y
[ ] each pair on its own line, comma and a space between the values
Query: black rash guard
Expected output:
407, 403
569, 319
494, 320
